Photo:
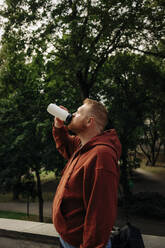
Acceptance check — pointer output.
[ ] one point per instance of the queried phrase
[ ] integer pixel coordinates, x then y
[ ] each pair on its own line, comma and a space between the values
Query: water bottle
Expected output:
60, 113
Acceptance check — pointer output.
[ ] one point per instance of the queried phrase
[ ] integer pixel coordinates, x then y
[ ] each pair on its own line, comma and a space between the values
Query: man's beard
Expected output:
77, 128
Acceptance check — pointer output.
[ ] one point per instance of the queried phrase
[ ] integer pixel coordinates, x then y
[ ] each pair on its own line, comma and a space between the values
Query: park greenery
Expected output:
64, 51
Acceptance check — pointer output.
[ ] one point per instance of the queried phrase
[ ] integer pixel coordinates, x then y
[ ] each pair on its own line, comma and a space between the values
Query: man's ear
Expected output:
90, 121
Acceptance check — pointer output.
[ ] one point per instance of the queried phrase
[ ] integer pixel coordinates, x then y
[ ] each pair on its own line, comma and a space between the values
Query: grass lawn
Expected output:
8, 197
15, 215
49, 185
22, 216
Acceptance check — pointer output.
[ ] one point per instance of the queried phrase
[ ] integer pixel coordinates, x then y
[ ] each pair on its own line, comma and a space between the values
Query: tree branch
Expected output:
145, 153
158, 54
112, 46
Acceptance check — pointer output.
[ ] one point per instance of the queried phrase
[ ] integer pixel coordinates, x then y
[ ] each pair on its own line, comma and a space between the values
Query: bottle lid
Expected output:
68, 119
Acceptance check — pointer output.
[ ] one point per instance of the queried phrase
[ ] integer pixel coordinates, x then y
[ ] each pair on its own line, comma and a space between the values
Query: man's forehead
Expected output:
81, 107
85, 106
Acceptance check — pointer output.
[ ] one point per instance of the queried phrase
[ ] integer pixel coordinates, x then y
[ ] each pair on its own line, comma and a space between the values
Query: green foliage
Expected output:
148, 204
127, 85
77, 37
69, 50
91, 31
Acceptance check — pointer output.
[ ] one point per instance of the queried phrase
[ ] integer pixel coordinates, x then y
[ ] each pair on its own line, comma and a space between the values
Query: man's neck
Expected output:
85, 138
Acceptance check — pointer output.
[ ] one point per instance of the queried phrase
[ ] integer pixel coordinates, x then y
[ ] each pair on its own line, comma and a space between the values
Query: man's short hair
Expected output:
99, 111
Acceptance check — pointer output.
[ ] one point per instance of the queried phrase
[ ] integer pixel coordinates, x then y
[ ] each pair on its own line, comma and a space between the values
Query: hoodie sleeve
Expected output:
100, 193
66, 144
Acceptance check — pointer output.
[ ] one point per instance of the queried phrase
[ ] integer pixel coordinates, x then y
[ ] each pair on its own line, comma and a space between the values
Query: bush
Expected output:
147, 204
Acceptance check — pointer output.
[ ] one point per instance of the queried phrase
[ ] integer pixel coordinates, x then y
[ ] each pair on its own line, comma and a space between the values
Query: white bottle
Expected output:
60, 113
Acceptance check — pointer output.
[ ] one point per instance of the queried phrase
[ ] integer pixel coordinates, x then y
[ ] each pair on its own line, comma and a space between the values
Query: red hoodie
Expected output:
85, 204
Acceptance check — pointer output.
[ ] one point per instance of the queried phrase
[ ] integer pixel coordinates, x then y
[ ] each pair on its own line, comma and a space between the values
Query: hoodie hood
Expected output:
107, 138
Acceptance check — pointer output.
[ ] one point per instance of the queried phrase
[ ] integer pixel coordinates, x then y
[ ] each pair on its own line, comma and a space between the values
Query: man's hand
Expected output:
57, 122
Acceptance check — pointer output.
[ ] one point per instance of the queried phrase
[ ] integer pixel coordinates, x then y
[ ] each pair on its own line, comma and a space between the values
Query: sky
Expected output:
1, 20
1, 4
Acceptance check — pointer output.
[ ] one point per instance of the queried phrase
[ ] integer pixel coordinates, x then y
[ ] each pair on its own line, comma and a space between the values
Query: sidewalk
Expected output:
148, 182
19, 234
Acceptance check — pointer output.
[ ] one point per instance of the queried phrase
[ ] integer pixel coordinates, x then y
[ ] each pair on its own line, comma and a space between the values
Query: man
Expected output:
85, 204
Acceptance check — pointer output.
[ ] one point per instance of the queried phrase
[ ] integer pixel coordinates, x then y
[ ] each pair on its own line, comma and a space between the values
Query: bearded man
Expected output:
85, 203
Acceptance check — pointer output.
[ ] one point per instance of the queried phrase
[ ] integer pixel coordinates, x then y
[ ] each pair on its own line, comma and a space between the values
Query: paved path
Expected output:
145, 181
148, 182
43, 235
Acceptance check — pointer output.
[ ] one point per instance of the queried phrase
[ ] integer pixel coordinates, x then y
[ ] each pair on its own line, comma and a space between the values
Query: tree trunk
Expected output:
17, 189
124, 175
28, 204
83, 85
40, 198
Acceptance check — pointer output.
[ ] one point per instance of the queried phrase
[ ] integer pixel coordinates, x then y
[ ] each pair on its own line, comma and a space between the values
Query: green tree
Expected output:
151, 142
27, 142
72, 41
81, 35
91, 31
129, 83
